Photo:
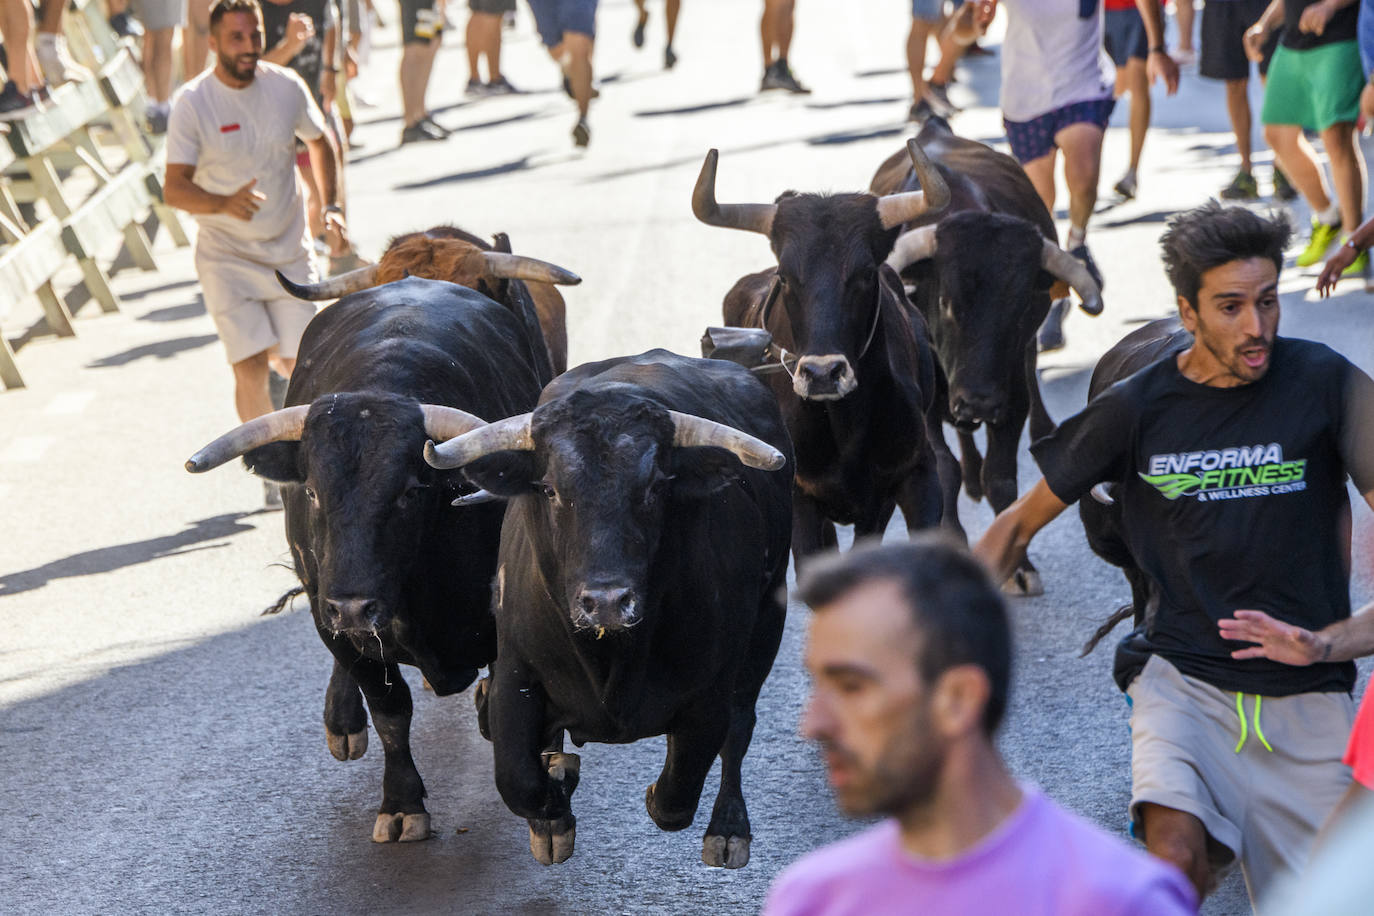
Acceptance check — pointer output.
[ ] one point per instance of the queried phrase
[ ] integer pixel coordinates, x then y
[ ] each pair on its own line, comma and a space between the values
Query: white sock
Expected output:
1331, 215
45, 39
1077, 235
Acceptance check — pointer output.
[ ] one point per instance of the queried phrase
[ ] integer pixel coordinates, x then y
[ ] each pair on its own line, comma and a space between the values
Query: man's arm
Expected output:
324, 165
1316, 17
180, 190
299, 29
1159, 65
1002, 548
1258, 34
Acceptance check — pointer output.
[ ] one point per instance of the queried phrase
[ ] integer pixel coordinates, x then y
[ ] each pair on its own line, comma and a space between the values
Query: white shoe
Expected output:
56, 62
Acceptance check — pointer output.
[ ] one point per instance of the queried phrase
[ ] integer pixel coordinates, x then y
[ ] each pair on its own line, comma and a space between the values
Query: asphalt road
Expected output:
161, 747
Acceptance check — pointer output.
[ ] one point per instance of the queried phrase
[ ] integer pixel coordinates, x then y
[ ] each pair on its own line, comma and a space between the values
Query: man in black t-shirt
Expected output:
1230, 462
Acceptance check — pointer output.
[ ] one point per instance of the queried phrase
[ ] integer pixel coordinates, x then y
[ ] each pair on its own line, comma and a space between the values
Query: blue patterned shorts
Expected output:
1035, 138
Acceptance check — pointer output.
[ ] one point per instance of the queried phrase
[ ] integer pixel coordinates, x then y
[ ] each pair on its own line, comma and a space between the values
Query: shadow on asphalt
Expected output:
695, 109
849, 103
136, 294
118, 556
505, 168
176, 312
162, 349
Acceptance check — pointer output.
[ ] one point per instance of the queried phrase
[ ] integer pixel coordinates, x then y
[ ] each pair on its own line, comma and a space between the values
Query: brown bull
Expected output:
449, 253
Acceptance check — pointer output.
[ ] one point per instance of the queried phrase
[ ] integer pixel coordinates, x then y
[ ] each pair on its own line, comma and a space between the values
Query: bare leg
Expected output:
16, 24
414, 69
577, 50
1238, 107
484, 39
250, 387
195, 38
1180, 839
776, 30
1138, 85
1299, 162
157, 64
1082, 146
671, 9
916, 41
1347, 173
1185, 14
1041, 173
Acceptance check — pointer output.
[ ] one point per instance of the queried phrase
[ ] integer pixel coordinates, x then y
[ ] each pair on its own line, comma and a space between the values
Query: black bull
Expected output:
860, 384
981, 271
643, 557
395, 574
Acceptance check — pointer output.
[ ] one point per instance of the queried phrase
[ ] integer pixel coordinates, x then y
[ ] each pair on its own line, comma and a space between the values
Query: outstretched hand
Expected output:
244, 202
1275, 640
1335, 266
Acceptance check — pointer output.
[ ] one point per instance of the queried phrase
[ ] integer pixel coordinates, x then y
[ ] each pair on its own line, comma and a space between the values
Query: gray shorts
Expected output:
251, 311
159, 14
1261, 773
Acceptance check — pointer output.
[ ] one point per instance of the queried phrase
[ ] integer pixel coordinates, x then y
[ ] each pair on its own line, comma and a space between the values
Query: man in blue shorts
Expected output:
1055, 96
568, 30
1128, 46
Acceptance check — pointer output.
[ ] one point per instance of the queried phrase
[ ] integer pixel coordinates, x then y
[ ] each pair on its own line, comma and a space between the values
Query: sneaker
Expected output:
582, 134
476, 87
1322, 237
15, 105
1051, 333
779, 76
501, 86
157, 121
669, 58
638, 36
271, 495
977, 50
435, 126
1242, 187
920, 112
126, 26
55, 61
1126, 187
1359, 267
1184, 57
419, 132
1082, 253
1283, 189
938, 96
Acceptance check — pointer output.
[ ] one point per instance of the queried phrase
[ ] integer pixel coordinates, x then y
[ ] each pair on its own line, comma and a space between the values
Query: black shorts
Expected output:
1123, 35
492, 6
420, 22
1223, 38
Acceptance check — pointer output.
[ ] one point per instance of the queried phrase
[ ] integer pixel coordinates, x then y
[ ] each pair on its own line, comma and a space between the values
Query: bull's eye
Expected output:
549, 492
411, 494
310, 495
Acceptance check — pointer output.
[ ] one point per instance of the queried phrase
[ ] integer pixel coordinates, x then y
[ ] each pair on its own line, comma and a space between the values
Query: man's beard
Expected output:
241, 67
906, 774
1235, 363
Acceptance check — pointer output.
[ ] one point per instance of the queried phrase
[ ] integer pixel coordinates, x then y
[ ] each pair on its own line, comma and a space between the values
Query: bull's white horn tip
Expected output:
772, 460
193, 465
432, 457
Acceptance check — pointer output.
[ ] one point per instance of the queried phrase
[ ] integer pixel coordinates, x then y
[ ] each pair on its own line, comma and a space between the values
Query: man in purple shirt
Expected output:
909, 653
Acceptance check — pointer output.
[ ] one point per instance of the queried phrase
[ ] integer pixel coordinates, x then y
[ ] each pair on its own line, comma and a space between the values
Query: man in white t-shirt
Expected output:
231, 163
1057, 97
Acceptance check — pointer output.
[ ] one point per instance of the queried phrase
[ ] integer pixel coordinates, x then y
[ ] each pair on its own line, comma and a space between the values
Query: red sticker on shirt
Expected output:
228, 128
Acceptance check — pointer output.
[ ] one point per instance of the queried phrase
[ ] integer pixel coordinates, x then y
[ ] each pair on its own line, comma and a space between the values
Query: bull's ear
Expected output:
702, 470
276, 461
508, 473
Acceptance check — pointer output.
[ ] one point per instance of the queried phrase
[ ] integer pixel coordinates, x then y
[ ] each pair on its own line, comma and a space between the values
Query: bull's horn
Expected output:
1103, 494
334, 287
444, 423
279, 426
689, 431
518, 267
512, 434
1073, 272
913, 246
749, 217
895, 209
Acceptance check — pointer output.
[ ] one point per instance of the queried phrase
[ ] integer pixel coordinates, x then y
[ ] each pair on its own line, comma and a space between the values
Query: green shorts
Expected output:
1316, 88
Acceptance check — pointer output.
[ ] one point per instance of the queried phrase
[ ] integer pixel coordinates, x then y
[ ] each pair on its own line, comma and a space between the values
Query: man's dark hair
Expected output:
1211, 235
958, 612
222, 7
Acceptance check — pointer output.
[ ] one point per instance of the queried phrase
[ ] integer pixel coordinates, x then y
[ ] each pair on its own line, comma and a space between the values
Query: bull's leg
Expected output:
728, 836
999, 480
875, 522
950, 476
971, 460
920, 496
345, 720
1040, 423
695, 737
812, 532
535, 784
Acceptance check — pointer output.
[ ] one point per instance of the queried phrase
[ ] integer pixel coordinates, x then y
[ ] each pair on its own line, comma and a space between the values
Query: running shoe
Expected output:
638, 36
55, 61
920, 112
1184, 57
476, 87
581, 134
779, 76
669, 58
421, 132
1323, 235
126, 26
977, 50
1242, 187
1082, 254
1126, 187
1359, 267
1283, 188
938, 96
157, 120
15, 105
502, 86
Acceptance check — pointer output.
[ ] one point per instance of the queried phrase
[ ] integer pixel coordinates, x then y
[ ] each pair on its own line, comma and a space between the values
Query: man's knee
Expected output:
252, 369
1339, 141
1280, 136
1180, 839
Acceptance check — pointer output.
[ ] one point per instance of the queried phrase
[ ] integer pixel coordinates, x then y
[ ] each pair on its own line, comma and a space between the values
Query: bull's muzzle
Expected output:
601, 609
824, 378
355, 615
969, 408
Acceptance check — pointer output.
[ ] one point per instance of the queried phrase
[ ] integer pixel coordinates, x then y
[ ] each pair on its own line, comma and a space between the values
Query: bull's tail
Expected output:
283, 601
1126, 610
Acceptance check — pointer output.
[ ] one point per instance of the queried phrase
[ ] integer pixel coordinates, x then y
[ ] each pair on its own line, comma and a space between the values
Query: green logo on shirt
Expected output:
1229, 473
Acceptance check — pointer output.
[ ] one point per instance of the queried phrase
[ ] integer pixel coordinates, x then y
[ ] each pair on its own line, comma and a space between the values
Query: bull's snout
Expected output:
606, 608
824, 378
354, 615
973, 407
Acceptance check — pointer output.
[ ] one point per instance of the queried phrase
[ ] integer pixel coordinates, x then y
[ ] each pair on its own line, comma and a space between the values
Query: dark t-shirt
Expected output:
1340, 27
1231, 498
309, 61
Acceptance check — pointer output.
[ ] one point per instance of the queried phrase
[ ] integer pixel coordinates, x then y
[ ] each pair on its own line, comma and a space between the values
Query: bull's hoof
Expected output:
667, 820
720, 852
1024, 583
479, 698
346, 747
401, 828
972, 489
552, 842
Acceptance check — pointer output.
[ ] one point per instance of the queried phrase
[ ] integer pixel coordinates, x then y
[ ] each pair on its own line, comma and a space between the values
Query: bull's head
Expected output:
984, 280
358, 488
598, 472
830, 249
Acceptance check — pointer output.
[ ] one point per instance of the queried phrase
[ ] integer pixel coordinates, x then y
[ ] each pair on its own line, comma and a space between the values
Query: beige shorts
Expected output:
1262, 776
251, 311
